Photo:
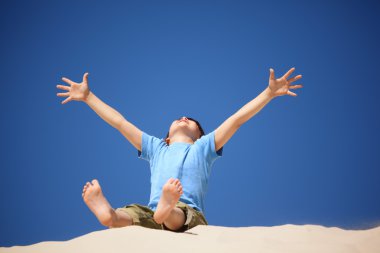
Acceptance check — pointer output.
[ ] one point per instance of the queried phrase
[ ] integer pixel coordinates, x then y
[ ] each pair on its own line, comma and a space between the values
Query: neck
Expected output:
181, 138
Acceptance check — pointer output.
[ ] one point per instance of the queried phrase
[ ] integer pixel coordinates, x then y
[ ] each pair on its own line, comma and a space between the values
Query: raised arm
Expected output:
276, 87
81, 92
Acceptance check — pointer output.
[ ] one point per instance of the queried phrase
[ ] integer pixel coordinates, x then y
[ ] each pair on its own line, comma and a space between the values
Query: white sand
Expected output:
286, 238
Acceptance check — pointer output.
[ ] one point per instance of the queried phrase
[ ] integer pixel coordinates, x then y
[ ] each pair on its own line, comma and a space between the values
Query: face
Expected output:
185, 126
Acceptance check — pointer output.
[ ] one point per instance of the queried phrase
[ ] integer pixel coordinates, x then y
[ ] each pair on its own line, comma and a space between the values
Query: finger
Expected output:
66, 100
271, 75
85, 77
65, 94
291, 93
295, 78
289, 73
66, 80
63, 87
295, 86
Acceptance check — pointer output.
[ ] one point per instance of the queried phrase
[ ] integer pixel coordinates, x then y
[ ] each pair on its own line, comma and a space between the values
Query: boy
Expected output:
180, 165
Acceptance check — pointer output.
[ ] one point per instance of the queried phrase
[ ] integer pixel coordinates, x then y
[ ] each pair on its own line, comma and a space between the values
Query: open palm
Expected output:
76, 91
281, 86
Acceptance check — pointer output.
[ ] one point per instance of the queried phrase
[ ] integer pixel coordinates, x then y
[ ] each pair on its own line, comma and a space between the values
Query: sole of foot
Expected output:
171, 192
93, 197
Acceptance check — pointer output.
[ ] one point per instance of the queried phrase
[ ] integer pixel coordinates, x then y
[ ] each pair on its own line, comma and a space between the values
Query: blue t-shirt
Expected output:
190, 163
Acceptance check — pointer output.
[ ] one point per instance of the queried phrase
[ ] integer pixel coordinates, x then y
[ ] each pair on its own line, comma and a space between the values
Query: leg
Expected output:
171, 192
98, 204
176, 219
121, 219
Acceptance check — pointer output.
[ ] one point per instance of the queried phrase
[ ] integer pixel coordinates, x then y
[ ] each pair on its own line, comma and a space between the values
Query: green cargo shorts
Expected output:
143, 216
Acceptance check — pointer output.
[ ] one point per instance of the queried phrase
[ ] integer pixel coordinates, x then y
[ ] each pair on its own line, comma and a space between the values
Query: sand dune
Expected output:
286, 238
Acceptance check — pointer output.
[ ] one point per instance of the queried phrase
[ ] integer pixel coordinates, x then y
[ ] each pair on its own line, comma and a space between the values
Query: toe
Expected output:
95, 182
171, 180
84, 191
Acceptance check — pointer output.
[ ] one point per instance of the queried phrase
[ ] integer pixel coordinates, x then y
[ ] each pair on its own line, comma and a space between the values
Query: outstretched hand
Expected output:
281, 86
76, 91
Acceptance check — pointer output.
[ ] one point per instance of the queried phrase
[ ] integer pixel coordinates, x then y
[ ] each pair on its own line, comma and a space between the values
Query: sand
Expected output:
286, 238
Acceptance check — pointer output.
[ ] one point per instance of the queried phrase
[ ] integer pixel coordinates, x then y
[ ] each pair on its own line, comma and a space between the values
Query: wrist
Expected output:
269, 93
88, 97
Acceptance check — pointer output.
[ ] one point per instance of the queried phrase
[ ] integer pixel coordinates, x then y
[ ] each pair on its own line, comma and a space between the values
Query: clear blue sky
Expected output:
312, 159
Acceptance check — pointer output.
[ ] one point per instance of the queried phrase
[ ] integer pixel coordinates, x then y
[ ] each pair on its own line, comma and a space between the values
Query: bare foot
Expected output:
98, 204
171, 192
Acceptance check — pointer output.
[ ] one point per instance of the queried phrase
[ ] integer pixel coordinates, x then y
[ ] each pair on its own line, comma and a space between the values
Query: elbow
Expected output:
237, 121
119, 124
238, 124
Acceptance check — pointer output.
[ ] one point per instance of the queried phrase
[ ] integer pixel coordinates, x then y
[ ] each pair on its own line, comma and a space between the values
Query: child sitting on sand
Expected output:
180, 165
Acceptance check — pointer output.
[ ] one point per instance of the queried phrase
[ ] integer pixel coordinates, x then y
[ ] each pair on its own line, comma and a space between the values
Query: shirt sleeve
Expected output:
149, 145
207, 143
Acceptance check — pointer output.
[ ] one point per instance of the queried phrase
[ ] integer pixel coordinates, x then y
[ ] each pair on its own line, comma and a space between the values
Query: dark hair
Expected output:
196, 122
